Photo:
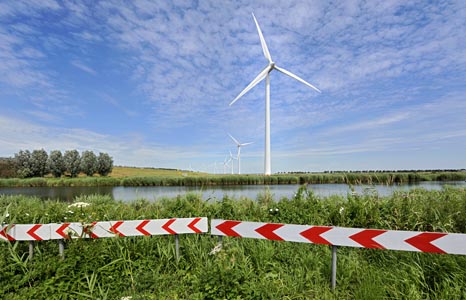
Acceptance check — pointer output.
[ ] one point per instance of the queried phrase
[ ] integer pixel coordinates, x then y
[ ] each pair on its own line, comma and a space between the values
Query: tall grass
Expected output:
146, 267
209, 180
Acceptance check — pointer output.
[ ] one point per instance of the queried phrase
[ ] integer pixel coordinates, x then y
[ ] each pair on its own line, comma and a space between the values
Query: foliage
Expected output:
7, 168
104, 164
88, 164
72, 162
146, 267
23, 163
39, 163
56, 163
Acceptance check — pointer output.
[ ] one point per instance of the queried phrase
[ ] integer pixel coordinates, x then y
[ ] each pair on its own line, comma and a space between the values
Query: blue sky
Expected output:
149, 82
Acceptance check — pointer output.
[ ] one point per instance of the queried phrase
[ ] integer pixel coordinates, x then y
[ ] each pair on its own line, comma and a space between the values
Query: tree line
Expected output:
38, 163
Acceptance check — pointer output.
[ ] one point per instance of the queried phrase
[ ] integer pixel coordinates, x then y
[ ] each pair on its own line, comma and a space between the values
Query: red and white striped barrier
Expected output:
433, 242
39, 232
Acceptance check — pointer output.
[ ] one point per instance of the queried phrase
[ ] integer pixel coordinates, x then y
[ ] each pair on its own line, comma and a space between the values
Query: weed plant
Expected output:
146, 267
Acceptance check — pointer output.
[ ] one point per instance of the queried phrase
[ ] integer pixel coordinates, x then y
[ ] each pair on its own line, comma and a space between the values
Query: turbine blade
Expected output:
263, 44
253, 83
297, 78
234, 140
231, 156
245, 144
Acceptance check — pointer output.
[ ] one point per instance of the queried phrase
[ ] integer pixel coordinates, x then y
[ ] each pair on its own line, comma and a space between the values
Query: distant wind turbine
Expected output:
239, 145
231, 160
265, 74
225, 165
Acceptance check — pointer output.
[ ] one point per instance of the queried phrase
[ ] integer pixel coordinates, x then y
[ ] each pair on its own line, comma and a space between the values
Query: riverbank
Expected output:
212, 180
146, 267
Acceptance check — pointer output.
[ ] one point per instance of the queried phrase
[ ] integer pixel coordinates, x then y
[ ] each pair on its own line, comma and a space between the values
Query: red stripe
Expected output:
32, 232
313, 234
115, 230
141, 229
5, 230
227, 228
267, 231
194, 228
423, 242
167, 228
365, 238
61, 229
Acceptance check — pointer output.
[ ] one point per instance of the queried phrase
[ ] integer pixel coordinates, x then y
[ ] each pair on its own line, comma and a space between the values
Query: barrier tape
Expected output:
103, 229
432, 242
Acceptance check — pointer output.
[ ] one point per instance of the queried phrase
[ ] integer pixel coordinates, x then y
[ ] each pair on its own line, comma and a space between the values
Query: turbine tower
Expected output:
265, 74
239, 145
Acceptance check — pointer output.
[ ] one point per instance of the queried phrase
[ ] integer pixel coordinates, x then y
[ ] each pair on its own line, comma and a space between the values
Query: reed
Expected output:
208, 180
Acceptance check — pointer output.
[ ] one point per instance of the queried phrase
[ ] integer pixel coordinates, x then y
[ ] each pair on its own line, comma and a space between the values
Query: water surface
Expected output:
154, 193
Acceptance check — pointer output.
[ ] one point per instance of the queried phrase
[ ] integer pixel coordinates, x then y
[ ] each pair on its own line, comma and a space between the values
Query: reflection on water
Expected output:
215, 193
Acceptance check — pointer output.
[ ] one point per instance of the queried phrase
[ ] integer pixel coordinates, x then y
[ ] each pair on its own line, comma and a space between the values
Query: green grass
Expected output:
120, 172
146, 267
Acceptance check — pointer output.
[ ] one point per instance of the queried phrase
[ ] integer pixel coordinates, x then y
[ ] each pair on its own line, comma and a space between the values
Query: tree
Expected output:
89, 163
105, 164
23, 163
7, 167
39, 163
56, 163
72, 162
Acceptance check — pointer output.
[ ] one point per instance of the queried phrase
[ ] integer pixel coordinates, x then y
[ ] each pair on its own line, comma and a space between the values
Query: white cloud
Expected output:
83, 67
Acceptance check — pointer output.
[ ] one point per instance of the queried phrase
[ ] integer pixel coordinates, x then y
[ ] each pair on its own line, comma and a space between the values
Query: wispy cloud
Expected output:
112, 101
83, 67
373, 124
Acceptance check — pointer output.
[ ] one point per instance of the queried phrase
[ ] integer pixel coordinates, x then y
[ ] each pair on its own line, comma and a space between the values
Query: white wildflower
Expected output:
342, 209
216, 249
79, 204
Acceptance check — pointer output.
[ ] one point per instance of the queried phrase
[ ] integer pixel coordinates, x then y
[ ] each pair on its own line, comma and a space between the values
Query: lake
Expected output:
154, 193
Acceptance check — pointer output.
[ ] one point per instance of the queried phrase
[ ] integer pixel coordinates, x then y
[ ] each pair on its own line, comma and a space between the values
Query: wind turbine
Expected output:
231, 160
239, 145
265, 74
225, 165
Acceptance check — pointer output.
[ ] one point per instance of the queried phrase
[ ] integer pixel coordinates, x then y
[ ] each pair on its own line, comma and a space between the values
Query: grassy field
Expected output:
146, 267
120, 172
